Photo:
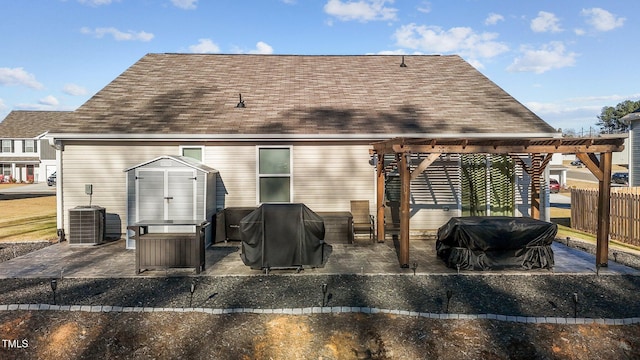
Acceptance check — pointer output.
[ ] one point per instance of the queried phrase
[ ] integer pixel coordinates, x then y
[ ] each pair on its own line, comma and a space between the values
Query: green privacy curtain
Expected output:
487, 183
502, 188
474, 185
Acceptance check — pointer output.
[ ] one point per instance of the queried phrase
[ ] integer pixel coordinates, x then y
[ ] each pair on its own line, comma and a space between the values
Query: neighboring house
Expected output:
281, 128
633, 119
25, 156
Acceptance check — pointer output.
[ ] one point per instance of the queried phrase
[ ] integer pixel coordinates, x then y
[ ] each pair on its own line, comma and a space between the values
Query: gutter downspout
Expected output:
57, 144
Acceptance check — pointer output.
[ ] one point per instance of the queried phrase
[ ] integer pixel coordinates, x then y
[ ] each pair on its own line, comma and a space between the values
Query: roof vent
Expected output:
403, 64
241, 103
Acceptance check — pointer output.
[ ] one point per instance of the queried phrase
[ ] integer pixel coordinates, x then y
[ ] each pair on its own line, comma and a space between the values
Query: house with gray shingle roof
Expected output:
288, 128
25, 156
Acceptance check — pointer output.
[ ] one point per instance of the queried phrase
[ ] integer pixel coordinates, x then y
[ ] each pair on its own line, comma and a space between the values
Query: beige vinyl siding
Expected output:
236, 184
326, 177
102, 166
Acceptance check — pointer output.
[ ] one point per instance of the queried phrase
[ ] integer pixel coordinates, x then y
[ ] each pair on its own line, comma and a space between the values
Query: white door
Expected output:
165, 194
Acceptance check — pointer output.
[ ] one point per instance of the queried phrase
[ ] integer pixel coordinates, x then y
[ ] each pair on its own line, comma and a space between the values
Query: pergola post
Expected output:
535, 186
405, 189
380, 198
604, 210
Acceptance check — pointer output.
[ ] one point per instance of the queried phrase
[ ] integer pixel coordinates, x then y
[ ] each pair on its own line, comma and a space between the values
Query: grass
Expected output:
28, 219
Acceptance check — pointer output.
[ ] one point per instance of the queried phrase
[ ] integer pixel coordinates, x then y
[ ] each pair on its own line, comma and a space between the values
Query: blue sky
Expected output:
564, 60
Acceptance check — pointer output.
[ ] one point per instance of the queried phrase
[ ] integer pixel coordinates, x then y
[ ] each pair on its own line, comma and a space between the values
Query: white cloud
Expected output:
601, 19
546, 22
49, 101
549, 56
185, 4
362, 10
425, 7
204, 46
74, 90
118, 35
95, 2
17, 76
290, 2
459, 40
262, 48
493, 19
579, 113
2, 105
579, 32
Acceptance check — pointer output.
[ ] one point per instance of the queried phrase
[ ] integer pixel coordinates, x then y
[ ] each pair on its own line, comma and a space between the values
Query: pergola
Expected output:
540, 150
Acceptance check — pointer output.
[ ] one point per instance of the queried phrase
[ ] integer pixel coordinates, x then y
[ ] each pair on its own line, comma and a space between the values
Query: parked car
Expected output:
51, 180
620, 178
554, 186
576, 162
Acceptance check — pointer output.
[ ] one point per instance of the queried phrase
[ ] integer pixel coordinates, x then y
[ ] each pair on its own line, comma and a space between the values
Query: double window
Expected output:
274, 174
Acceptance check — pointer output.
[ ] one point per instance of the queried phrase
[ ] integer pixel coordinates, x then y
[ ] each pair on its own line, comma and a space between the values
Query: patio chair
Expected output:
362, 219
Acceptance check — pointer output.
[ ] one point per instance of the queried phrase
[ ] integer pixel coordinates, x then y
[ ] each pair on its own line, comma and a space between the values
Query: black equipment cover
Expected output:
483, 243
283, 236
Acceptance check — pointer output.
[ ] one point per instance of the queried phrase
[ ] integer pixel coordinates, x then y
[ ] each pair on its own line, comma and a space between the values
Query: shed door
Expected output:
166, 194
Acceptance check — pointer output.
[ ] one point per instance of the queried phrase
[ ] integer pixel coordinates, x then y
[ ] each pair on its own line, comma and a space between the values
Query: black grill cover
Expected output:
483, 243
283, 236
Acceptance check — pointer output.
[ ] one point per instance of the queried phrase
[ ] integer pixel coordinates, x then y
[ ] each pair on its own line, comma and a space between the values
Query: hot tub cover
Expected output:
489, 242
283, 236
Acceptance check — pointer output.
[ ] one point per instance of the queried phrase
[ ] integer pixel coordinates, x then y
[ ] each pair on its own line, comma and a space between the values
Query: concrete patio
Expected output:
112, 260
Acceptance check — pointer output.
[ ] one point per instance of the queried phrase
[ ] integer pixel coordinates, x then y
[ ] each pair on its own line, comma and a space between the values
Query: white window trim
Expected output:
201, 147
258, 175
33, 149
11, 146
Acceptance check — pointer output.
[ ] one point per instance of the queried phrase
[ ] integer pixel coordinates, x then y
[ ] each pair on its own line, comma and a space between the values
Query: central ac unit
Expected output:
87, 225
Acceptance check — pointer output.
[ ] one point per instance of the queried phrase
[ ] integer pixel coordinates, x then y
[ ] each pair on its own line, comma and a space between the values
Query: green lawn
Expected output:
28, 219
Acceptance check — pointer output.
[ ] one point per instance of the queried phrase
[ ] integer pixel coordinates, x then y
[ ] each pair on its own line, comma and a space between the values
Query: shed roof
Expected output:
22, 124
180, 159
296, 95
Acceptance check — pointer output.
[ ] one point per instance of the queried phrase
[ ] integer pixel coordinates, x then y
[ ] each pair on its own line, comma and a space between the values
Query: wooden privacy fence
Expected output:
625, 213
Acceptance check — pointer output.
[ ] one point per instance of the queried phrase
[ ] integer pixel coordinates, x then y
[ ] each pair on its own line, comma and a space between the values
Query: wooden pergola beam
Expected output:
424, 165
592, 164
498, 149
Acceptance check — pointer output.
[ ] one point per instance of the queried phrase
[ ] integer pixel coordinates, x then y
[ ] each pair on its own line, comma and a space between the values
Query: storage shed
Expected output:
170, 188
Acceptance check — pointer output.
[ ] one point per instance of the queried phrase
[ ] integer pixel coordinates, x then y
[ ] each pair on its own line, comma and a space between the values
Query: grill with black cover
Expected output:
283, 236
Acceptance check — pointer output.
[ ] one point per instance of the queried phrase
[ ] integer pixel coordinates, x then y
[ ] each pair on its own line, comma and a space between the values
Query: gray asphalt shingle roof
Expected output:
295, 94
22, 124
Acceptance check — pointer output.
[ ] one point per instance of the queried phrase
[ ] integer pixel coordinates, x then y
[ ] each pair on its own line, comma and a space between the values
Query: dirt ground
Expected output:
81, 335
191, 336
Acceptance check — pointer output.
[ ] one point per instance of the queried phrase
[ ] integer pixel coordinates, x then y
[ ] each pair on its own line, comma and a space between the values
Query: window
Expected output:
7, 146
6, 169
29, 146
194, 152
274, 174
